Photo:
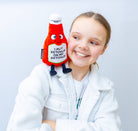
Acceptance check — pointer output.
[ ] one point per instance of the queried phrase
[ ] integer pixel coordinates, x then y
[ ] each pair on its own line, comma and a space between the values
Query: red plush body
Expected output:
55, 46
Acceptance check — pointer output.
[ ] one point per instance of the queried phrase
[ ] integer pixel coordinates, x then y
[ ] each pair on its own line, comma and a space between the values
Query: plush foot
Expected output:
53, 72
67, 70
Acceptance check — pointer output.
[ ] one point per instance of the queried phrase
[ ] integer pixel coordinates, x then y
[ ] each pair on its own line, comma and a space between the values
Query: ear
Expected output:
104, 49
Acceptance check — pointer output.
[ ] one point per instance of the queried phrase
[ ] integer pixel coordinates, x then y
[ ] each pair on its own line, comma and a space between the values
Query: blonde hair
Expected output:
100, 19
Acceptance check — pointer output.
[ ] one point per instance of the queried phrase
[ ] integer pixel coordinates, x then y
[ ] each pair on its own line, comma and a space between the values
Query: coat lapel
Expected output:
91, 95
90, 98
67, 81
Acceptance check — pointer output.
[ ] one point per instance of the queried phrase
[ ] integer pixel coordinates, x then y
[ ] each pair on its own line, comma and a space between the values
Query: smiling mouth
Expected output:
80, 54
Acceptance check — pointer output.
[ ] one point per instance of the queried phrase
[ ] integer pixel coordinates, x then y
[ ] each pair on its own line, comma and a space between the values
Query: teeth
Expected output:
79, 54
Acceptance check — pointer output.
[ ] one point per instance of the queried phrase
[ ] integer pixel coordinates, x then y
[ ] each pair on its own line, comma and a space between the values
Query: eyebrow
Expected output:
76, 33
97, 39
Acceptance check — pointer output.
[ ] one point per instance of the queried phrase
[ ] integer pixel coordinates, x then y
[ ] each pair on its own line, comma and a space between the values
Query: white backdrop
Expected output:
23, 28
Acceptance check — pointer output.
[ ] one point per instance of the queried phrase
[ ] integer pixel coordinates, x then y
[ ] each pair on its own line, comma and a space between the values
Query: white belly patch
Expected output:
57, 53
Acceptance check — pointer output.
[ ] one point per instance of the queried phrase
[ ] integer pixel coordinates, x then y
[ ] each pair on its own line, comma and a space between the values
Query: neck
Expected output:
78, 73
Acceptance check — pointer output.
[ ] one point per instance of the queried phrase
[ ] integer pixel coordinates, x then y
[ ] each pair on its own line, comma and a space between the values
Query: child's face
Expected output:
86, 41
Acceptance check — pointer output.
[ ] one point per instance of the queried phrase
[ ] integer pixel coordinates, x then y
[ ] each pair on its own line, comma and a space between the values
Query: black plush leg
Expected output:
66, 70
53, 72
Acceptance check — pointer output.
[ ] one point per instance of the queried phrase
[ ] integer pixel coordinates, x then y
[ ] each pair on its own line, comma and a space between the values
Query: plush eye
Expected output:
61, 36
53, 37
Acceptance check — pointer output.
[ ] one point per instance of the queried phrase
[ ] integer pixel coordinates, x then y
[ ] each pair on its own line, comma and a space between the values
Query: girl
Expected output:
82, 100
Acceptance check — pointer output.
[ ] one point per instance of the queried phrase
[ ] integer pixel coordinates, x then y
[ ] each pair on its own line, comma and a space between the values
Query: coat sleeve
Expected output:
30, 100
106, 118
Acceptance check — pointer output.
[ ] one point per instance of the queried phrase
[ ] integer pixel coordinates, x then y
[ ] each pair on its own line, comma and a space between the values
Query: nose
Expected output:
83, 45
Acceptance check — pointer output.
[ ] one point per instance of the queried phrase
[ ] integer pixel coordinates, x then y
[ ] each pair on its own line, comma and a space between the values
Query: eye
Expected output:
53, 37
61, 36
93, 43
75, 37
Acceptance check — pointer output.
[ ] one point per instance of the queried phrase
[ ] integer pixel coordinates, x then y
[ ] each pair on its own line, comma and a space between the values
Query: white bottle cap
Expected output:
55, 19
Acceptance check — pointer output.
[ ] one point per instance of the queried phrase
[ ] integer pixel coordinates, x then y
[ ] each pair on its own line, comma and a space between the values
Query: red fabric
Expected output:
54, 30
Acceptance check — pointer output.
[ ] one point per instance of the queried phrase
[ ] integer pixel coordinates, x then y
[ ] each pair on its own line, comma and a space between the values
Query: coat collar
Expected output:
95, 78
98, 81
101, 83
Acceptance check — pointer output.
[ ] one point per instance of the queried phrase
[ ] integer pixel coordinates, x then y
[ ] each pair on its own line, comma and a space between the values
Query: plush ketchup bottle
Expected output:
54, 52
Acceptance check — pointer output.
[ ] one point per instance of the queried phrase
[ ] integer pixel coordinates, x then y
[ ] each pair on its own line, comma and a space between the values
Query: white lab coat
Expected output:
98, 110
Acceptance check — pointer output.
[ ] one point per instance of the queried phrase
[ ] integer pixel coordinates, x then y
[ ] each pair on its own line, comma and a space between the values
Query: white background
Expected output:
23, 29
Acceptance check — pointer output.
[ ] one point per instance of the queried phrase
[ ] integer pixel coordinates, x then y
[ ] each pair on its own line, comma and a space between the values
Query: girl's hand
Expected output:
52, 124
